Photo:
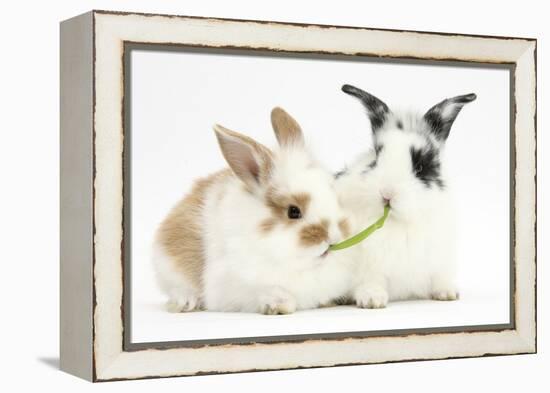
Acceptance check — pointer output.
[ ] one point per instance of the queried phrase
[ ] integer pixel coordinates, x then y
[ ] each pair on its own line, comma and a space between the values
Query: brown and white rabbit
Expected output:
255, 238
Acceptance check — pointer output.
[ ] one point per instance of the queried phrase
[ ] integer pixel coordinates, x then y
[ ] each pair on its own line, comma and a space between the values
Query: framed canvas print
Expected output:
246, 195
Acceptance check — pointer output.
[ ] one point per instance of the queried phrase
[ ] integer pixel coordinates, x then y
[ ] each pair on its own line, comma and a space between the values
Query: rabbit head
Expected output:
405, 168
294, 196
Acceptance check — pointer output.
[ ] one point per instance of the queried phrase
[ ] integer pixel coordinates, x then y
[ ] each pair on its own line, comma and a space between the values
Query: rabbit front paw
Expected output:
443, 288
183, 304
371, 297
445, 295
277, 303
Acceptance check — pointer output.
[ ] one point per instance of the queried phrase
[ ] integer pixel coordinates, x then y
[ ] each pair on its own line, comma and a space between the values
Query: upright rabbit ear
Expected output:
377, 110
441, 117
250, 161
287, 130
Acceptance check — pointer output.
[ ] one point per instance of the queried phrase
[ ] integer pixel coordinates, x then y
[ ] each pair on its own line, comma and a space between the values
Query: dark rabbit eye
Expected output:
294, 212
419, 168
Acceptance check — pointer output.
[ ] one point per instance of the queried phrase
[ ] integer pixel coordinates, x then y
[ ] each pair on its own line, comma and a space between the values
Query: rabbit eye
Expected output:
419, 168
294, 212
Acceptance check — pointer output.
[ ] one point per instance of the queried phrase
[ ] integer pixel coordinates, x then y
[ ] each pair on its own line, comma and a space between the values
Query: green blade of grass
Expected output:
352, 241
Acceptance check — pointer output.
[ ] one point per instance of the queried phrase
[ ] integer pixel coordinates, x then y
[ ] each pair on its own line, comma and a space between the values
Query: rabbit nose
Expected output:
387, 195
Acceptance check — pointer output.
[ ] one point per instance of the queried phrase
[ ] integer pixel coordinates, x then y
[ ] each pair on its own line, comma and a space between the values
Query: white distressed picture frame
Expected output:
93, 341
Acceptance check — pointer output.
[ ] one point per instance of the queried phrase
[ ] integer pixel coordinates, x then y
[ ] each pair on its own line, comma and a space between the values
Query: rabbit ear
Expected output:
287, 130
250, 161
441, 117
376, 108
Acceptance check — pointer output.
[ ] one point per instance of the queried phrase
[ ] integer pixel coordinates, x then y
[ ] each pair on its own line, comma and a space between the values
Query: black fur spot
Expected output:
377, 110
341, 173
441, 125
370, 166
426, 166
438, 125
377, 119
399, 124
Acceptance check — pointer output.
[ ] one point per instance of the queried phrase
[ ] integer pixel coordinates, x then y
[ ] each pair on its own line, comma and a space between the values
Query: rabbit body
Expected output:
255, 238
411, 258
413, 255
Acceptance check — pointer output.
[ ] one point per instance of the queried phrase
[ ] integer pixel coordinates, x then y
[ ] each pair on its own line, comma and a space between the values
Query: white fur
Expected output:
247, 270
412, 256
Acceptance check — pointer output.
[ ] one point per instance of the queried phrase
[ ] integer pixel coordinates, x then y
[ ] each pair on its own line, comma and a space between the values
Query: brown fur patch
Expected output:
180, 234
302, 200
344, 227
313, 234
268, 224
287, 130
278, 203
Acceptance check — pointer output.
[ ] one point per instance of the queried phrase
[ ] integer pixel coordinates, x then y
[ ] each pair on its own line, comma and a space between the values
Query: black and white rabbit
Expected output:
413, 255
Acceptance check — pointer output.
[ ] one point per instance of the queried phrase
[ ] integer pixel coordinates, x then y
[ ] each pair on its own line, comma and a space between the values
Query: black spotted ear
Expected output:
441, 117
377, 110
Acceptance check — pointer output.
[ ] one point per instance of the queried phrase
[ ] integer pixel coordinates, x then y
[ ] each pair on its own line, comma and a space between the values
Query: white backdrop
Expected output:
29, 200
176, 98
